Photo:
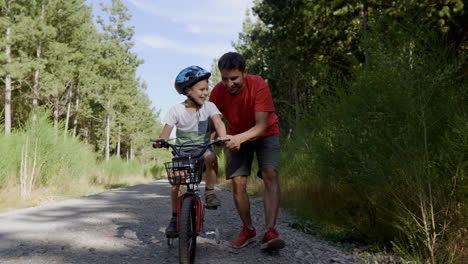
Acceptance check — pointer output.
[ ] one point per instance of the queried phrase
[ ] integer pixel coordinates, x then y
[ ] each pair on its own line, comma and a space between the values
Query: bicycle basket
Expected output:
184, 171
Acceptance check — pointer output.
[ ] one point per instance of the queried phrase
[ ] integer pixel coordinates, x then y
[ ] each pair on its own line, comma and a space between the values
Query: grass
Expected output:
65, 167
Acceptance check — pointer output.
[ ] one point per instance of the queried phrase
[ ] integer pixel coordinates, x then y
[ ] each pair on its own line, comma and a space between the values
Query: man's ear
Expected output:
245, 71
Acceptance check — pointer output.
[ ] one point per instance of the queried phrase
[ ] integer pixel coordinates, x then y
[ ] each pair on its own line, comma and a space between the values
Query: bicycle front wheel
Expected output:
187, 231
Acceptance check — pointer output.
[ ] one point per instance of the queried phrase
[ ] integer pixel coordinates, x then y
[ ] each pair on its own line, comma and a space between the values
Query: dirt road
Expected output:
127, 226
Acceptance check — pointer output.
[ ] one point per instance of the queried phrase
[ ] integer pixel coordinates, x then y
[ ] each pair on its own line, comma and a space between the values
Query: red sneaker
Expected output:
272, 240
244, 238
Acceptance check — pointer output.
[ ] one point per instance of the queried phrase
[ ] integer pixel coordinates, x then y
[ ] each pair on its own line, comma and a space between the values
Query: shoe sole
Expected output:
211, 207
276, 243
172, 235
245, 243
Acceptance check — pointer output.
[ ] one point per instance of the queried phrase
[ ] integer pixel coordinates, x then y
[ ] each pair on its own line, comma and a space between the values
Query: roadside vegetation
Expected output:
39, 164
372, 99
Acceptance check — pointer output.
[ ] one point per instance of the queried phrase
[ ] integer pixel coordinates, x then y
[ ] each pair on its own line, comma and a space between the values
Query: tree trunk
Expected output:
118, 142
77, 107
108, 124
131, 151
365, 24
8, 74
36, 75
56, 112
86, 133
107, 136
69, 98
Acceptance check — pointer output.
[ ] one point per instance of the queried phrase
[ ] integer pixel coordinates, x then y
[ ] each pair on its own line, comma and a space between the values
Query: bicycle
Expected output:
186, 168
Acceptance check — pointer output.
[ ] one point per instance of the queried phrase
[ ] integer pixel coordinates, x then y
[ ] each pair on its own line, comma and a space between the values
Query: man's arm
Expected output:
261, 125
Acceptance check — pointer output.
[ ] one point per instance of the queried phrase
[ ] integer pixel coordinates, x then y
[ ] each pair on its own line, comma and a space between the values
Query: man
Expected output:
245, 101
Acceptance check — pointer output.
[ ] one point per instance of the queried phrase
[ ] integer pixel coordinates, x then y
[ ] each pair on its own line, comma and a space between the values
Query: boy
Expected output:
193, 119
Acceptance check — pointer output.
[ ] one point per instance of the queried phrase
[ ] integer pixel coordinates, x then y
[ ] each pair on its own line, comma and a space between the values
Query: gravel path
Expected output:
127, 226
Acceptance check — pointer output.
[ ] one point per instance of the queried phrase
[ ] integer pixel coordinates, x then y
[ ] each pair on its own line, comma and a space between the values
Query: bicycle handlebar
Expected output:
177, 148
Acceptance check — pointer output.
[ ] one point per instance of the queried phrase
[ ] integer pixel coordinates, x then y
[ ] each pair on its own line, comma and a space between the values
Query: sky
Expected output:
172, 35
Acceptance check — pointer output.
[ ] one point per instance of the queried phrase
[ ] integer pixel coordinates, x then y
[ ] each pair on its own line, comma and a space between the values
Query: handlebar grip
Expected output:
163, 142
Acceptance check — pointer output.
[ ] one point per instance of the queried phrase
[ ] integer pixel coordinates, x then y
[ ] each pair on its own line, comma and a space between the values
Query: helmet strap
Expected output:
193, 100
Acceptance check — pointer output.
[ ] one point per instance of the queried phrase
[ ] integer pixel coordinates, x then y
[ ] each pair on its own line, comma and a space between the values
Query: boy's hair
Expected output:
231, 61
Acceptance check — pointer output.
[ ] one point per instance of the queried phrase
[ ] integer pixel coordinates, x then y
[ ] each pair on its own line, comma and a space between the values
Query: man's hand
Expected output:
234, 143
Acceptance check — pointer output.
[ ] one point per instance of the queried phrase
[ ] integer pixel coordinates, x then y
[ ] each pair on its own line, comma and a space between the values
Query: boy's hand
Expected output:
234, 143
158, 144
220, 144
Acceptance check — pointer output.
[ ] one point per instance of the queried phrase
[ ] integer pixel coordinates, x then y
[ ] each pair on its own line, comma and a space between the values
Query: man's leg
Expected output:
271, 196
238, 165
268, 158
241, 199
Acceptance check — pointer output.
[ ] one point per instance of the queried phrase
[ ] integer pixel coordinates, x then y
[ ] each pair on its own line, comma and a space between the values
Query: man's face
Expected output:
233, 80
199, 91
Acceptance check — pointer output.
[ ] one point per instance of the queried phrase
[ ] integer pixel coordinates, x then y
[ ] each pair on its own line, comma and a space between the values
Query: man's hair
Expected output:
231, 61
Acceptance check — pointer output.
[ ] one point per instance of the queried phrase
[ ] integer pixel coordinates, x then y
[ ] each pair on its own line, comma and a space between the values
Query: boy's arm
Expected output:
165, 134
212, 129
219, 126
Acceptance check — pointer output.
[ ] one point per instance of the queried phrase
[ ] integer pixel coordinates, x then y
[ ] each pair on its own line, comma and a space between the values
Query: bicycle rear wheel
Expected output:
187, 231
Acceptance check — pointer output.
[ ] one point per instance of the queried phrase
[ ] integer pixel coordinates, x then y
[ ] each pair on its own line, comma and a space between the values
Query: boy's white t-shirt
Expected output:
191, 128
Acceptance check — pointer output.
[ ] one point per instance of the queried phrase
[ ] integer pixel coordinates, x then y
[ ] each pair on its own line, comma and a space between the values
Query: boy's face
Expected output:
233, 80
199, 91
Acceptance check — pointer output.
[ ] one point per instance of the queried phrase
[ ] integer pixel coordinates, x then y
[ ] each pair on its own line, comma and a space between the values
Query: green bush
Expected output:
387, 160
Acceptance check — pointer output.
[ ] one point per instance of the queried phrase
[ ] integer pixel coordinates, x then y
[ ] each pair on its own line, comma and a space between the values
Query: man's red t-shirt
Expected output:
239, 110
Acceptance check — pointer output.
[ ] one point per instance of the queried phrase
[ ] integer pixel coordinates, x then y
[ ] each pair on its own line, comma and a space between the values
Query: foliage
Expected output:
83, 71
371, 98
65, 167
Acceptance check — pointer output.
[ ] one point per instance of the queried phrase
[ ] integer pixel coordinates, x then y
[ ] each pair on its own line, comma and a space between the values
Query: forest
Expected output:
75, 116
371, 95
372, 98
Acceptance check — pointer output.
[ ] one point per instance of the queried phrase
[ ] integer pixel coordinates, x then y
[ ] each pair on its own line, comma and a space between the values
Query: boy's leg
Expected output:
211, 172
211, 163
176, 193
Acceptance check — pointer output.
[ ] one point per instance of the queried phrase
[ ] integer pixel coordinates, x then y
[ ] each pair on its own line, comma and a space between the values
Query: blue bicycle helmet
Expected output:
190, 76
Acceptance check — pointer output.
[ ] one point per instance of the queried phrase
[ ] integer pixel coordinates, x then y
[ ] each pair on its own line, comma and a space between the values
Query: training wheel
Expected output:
170, 241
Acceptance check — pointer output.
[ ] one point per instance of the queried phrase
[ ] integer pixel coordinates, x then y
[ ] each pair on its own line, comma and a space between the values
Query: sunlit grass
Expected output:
65, 167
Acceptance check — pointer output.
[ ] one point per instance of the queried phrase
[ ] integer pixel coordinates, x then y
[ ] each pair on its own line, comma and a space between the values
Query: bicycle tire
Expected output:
187, 232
